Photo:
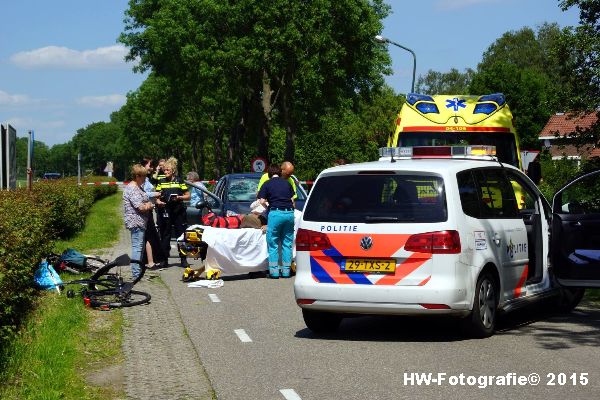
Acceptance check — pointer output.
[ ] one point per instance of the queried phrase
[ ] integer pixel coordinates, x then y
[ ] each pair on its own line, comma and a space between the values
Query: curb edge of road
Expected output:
213, 393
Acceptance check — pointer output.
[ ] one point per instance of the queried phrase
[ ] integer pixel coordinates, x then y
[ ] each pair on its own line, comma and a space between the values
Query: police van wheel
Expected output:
482, 321
321, 322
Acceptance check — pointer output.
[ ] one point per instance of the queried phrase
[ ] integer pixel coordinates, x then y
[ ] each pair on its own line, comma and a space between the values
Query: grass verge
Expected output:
65, 350
592, 297
102, 227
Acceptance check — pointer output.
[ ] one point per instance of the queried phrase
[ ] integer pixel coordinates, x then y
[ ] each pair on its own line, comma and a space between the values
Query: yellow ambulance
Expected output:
458, 120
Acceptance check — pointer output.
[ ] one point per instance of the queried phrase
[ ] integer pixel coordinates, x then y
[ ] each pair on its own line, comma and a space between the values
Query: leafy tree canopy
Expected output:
452, 82
524, 66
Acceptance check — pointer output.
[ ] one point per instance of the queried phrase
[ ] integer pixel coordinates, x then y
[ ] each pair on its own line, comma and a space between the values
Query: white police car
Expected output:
442, 230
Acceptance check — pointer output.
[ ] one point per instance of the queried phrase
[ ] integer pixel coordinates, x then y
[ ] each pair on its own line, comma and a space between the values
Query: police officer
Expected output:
170, 205
287, 170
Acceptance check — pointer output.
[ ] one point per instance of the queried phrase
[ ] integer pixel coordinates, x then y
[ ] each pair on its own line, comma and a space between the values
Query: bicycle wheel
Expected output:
117, 274
109, 298
93, 285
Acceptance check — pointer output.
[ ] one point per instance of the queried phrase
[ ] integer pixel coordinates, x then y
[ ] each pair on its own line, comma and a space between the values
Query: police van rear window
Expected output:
377, 198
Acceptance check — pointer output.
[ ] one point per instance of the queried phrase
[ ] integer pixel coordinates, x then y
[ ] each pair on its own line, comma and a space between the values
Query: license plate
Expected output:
373, 265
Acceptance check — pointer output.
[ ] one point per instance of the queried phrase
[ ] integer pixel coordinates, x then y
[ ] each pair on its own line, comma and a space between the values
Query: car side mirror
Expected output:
202, 204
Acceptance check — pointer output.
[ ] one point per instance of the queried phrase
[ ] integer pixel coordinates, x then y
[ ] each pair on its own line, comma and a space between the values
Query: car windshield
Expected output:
377, 198
242, 189
506, 148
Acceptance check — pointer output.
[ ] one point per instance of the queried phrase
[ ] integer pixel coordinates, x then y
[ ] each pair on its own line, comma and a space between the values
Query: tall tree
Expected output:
452, 82
579, 53
523, 65
353, 132
291, 60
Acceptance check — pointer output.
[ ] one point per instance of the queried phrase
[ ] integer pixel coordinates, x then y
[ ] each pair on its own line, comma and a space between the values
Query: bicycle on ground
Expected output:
111, 286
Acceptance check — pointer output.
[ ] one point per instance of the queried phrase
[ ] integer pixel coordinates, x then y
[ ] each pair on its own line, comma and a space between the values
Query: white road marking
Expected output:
214, 298
242, 335
290, 394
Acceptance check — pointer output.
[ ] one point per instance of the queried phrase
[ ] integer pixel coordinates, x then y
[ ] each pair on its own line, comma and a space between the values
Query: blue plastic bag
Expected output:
46, 277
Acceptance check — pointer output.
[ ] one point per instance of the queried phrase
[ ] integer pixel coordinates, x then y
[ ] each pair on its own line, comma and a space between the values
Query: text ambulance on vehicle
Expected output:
368, 243
458, 119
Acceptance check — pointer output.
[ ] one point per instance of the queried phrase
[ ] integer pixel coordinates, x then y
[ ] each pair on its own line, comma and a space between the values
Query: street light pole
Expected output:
382, 39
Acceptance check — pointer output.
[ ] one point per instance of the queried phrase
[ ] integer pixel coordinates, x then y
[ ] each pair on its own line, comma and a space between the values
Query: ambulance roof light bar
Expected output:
472, 152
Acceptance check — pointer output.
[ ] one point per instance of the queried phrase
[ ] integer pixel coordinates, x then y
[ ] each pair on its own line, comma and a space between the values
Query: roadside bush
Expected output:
69, 203
556, 173
30, 222
25, 241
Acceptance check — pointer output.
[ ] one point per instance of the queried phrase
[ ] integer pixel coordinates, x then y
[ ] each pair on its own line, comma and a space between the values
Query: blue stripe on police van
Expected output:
359, 278
336, 257
319, 272
333, 253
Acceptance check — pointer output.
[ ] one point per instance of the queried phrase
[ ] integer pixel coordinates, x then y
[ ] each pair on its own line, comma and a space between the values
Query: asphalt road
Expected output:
252, 342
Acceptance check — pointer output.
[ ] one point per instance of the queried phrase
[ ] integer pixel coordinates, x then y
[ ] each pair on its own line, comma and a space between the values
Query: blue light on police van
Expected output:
412, 98
485, 108
497, 98
427, 108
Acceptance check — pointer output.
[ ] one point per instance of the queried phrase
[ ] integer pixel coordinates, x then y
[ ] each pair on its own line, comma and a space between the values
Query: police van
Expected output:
370, 242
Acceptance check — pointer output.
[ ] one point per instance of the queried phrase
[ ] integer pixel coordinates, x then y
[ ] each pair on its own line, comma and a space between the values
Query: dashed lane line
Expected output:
242, 335
290, 394
214, 298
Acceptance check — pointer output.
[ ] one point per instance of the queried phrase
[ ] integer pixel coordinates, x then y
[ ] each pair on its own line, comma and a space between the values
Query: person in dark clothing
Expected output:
153, 256
278, 193
534, 171
173, 192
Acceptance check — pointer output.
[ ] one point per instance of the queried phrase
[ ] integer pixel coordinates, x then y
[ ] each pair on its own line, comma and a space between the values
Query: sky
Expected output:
61, 67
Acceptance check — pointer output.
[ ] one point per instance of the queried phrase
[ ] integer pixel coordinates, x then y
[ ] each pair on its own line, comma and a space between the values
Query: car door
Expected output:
575, 235
217, 207
535, 213
505, 229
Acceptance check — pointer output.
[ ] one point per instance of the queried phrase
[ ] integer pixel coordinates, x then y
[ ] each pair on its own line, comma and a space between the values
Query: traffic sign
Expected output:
259, 164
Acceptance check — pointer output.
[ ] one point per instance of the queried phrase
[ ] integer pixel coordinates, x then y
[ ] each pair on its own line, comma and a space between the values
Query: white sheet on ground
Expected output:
205, 283
237, 251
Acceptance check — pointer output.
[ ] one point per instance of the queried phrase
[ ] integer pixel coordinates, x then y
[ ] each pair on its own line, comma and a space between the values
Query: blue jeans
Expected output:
137, 245
280, 229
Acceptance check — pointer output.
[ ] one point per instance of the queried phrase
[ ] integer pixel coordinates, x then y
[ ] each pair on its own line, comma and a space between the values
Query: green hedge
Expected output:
25, 240
30, 222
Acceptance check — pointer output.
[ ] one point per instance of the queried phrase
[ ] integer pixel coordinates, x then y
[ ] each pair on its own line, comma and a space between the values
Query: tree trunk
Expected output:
195, 144
267, 108
231, 145
290, 129
242, 133
201, 157
218, 143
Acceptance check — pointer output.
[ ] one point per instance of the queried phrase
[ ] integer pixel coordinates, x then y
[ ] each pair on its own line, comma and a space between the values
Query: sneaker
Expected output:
274, 272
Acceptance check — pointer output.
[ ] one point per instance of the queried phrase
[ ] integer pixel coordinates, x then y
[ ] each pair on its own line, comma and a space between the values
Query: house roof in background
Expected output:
565, 123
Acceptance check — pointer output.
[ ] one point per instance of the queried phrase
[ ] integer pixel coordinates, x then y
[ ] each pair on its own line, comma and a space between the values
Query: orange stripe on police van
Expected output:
403, 270
384, 245
519, 289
